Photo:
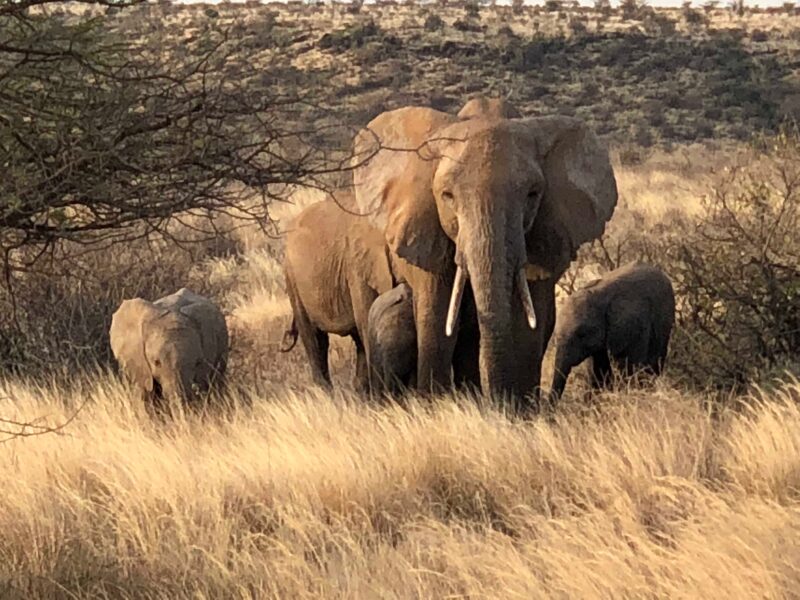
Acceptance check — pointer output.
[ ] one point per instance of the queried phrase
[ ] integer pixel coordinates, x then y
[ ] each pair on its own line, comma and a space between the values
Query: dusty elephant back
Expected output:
329, 252
190, 309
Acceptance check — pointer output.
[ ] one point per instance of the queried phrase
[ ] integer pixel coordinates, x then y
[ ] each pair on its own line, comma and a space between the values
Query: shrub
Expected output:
658, 24
506, 31
737, 7
577, 26
351, 37
472, 9
433, 22
467, 25
552, 5
631, 9
693, 17
354, 7
603, 7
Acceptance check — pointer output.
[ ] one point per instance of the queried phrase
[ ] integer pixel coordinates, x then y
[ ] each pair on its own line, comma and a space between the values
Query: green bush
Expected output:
433, 22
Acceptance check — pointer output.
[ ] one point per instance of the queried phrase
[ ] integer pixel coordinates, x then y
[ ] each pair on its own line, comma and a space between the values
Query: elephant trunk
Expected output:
569, 354
561, 371
494, 261
178, 386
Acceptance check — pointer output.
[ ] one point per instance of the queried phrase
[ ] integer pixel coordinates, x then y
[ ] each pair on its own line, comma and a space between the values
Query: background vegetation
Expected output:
148, 147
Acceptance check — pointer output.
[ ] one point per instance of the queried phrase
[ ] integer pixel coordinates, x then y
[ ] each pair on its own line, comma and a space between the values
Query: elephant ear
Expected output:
211, 326
394, 160
580, 192
367, 247
127, 339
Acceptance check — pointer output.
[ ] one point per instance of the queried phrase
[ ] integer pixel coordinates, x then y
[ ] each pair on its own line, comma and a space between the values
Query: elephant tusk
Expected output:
525, 297
455, 300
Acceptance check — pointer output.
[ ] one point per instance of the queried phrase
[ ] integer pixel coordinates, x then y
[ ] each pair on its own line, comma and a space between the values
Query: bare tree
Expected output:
108, 132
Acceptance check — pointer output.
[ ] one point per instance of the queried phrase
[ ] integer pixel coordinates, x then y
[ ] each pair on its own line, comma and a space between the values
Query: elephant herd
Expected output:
441, 265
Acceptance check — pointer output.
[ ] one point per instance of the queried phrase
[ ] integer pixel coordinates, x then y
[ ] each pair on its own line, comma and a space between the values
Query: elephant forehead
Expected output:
482, 106
170, 323
489, 155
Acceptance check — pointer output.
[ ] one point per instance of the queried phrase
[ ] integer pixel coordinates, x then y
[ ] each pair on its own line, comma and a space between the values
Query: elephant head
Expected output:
163, 351
580, 333
485, 107
507, 200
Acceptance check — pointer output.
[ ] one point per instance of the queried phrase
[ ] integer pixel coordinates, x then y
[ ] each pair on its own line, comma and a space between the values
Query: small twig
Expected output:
13, 429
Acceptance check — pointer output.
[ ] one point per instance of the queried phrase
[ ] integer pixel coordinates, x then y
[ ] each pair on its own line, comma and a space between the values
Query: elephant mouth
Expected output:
460, 282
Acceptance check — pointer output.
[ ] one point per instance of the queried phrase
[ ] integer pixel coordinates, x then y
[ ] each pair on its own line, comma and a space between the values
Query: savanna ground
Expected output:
689, 489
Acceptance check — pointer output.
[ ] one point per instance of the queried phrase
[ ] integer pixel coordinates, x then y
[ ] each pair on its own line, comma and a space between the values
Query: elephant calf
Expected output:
336, 265
168, 346
627, 316
392, 341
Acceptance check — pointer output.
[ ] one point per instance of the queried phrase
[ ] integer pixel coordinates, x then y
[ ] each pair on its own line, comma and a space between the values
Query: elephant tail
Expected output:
289, 337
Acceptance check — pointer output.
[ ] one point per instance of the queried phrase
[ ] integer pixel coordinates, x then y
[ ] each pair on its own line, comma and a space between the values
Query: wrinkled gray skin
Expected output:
626, 316
392, 341
482, 214
170, 346
336, 265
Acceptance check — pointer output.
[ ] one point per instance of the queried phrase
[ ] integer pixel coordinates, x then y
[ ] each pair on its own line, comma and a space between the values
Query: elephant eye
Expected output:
535, 193
447, 196
157, 362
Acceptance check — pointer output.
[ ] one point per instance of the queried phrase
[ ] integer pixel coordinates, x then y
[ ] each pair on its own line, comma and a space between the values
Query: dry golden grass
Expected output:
293, 493
303, 495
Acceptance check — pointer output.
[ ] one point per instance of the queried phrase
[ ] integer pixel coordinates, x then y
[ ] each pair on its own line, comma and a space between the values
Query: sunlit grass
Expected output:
307, 495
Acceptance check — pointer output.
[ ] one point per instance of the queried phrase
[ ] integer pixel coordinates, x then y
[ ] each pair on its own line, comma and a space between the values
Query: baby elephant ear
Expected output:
580, 193
127, 340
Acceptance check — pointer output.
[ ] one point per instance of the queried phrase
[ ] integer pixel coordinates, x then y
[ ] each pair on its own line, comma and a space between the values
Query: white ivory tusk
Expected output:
455, 300
525, 297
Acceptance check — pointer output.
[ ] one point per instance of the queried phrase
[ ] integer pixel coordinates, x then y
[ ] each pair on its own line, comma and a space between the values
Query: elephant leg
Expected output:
466, 365
434, 348
531, 345
637, 357
219, 381
315, 341
659, 345
601, 370
361, 379
361, 297
155, 403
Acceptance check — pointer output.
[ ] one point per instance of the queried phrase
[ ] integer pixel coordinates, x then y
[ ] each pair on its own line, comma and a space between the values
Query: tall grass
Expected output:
305, 495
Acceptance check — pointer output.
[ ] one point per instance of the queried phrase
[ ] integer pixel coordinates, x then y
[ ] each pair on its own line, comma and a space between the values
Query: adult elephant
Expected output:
503, 203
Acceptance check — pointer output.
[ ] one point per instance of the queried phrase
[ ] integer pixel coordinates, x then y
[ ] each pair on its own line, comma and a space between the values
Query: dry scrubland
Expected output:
292, 493
672, 492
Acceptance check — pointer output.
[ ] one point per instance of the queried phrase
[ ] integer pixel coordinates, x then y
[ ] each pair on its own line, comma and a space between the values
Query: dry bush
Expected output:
308, 496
